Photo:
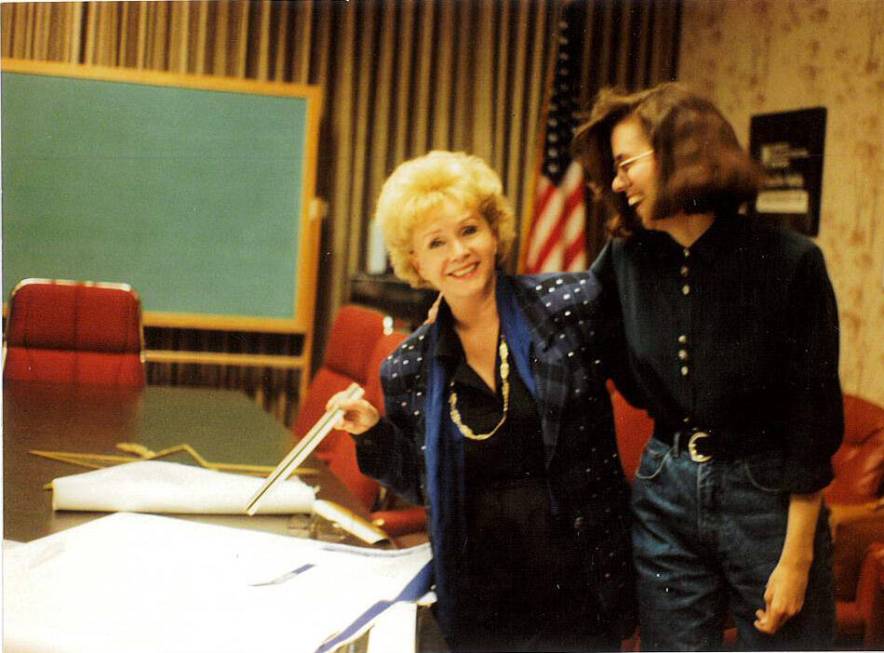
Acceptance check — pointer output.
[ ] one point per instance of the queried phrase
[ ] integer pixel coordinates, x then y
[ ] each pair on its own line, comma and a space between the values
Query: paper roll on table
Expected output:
349, 521
164, 487
304, 448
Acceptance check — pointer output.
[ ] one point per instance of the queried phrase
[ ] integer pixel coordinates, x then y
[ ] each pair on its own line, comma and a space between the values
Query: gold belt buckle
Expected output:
696, 456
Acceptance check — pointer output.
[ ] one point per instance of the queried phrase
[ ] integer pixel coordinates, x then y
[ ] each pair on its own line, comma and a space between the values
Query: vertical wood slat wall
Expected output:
400, 77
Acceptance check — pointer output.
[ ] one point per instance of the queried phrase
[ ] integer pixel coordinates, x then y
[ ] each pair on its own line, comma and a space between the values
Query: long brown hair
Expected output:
701, 165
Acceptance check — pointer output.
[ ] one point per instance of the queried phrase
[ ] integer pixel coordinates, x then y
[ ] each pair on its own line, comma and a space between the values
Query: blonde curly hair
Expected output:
418, 186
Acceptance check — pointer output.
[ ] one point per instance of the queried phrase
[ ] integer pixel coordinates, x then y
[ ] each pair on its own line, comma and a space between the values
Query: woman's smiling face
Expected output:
455, 250
635, 168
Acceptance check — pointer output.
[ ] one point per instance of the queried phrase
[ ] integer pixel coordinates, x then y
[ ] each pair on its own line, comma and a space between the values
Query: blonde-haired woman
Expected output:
499, 421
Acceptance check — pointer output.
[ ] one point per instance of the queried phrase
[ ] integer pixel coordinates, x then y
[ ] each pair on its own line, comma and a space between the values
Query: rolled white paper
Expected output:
349, 521
163, 487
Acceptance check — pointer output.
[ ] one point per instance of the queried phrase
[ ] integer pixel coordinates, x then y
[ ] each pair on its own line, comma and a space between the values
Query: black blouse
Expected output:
513, 452
737, 334
517, 553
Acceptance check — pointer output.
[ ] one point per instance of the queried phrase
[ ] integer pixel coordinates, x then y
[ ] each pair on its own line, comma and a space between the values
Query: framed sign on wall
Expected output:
789, 145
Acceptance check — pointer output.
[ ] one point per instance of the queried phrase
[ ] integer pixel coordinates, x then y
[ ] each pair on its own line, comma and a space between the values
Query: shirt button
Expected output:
686, 420
684, 370
686, 252
682, 339
686, 289
682, 354
684, 270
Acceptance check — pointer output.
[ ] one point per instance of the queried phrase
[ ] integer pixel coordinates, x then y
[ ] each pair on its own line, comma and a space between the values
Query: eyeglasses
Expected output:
622, 167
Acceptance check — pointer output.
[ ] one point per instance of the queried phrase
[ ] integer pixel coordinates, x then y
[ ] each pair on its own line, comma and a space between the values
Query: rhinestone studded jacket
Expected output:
586, 483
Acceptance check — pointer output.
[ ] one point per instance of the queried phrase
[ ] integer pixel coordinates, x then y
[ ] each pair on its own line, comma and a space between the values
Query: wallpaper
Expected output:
762, 56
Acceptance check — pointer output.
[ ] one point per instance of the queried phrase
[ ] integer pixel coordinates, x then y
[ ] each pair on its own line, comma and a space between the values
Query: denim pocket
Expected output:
653, 460
765, 472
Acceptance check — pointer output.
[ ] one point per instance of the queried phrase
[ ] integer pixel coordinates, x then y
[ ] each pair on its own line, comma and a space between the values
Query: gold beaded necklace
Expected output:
467, 432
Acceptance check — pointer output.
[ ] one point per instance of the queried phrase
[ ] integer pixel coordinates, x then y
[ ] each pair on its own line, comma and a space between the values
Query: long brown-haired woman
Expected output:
730, 340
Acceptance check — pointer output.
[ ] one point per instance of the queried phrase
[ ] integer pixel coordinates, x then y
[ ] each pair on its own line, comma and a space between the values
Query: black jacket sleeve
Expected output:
388, 452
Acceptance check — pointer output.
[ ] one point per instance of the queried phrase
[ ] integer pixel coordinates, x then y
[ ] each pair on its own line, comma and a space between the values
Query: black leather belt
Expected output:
704, 445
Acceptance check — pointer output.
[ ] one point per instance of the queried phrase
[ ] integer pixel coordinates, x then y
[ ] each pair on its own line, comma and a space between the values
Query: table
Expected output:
222, 425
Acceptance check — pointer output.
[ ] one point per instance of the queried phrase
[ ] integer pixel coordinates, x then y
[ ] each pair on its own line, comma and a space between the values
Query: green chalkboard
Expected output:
195, 191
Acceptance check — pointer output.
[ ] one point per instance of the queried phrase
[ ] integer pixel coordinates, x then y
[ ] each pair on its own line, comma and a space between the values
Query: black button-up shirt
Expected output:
737, 334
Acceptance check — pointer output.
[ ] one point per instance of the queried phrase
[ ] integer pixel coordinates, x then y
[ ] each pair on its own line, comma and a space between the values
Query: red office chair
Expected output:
354, 333
74, 332
634, 428
356, 348
856, 500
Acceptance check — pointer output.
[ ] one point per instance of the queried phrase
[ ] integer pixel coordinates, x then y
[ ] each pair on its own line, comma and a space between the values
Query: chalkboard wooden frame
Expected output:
300, 319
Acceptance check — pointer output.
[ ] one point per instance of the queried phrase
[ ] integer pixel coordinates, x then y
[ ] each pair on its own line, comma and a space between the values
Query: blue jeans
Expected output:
706, 538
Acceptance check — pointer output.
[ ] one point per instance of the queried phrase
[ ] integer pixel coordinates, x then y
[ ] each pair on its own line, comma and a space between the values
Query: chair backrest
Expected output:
354, 333
74, 332
859, 461
634, 428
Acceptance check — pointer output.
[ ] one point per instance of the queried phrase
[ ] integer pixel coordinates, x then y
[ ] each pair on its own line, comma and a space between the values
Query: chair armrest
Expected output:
852, 540
400, 522
870, 596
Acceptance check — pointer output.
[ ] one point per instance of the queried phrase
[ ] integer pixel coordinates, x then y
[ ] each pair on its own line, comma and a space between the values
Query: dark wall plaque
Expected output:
789, 145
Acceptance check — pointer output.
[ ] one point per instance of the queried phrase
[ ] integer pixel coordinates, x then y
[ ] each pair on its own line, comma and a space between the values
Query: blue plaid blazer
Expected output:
554, 321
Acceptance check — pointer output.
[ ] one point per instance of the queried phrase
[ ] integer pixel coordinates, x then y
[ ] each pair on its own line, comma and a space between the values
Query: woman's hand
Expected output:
433, 311
783, 597
358, 417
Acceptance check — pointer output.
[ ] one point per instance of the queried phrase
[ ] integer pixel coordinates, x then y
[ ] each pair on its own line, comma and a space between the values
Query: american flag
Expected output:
557, 237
